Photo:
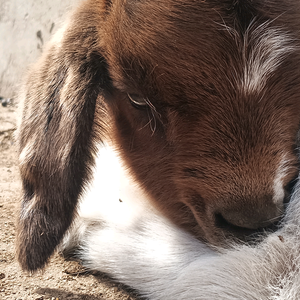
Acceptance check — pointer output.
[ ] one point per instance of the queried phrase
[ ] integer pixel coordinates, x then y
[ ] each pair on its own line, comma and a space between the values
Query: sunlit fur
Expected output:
133, 243
200, 99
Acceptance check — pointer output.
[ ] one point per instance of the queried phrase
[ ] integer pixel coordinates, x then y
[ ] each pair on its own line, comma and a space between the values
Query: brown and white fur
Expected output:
136, 245
200, 99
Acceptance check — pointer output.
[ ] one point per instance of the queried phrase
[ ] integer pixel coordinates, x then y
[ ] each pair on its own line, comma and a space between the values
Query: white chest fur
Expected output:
135, 244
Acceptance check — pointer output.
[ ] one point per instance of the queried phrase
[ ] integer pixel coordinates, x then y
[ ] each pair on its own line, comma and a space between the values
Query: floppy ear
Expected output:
57, 135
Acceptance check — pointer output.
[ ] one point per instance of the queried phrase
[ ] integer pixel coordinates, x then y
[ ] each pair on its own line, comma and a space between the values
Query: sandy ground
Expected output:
61, 280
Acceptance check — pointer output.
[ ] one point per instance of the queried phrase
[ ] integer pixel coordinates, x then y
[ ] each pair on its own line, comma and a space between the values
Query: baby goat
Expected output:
138, 246
200, 99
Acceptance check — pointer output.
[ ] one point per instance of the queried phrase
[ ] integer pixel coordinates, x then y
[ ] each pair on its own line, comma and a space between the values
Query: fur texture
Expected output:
136, 245
201, 101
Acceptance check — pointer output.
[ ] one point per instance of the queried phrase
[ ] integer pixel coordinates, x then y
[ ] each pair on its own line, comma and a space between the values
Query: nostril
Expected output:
242, 232
222, 223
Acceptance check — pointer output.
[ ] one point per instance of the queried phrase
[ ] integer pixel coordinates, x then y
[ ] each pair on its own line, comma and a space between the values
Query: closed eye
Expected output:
137, 101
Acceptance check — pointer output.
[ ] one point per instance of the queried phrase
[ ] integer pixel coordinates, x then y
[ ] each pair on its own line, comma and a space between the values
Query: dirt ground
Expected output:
61, 280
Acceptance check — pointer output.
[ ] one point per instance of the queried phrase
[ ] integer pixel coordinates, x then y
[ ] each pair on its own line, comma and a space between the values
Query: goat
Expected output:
137, 245
199, 99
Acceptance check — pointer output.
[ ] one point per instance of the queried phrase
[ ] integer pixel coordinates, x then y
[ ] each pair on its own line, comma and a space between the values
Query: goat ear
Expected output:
57, 136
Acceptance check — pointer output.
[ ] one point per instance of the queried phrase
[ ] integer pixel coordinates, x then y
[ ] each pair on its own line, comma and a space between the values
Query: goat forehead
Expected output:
210, 43
241, 63
217, 73
264, 49
227, 64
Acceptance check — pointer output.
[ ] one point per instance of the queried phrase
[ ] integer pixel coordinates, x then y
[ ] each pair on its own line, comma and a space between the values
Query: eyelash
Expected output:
137, 101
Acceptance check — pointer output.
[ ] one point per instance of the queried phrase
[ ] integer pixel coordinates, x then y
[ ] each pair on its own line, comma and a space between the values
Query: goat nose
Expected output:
249, 218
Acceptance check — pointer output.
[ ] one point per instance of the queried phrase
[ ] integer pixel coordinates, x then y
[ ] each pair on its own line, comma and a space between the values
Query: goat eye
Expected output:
137, 101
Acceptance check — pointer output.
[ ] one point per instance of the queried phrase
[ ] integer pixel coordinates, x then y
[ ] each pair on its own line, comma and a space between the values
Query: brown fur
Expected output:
205, 150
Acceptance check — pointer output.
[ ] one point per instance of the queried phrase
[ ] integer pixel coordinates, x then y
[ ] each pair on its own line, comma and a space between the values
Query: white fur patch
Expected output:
278, 189
59, 35
264, 50
28, 209
114, 195
27, 152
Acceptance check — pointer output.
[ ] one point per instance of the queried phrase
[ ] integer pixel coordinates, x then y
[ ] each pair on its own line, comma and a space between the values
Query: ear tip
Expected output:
30, 258
30, 264
36, 242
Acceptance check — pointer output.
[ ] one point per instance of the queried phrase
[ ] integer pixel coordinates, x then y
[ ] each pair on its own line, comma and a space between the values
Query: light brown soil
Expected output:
61, 280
